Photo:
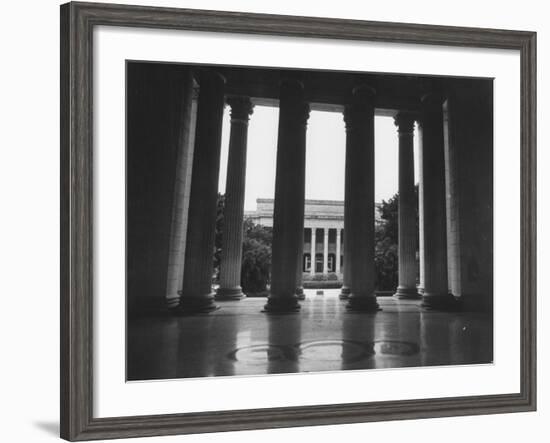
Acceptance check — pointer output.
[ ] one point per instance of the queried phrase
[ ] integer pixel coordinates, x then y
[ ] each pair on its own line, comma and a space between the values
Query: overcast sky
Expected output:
324, 156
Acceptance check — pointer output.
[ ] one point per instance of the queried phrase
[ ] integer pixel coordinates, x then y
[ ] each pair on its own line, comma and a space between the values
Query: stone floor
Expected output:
238, 339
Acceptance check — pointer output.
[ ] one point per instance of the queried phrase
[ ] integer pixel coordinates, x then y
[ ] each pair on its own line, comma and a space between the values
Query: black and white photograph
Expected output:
290, 221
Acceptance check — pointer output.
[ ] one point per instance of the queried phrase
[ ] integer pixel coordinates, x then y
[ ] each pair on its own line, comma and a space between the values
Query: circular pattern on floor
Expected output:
347, 351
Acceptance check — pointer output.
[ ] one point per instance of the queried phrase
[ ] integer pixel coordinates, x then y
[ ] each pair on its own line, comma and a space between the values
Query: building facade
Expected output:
323, 246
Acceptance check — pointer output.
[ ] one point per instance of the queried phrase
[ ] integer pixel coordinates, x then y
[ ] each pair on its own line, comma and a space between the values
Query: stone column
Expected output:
359, 199
300, 259
313, 243
338, 252
232, 240
182, 185
345, 291
300, 270
288, 213
420, 215
436, 287
325, 252
197, 295
407, 213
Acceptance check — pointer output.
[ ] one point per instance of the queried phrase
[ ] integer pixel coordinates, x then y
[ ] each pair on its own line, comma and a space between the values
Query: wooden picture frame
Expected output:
77, 23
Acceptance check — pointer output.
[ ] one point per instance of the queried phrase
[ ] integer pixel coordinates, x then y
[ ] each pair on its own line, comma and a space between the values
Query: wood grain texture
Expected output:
77, 22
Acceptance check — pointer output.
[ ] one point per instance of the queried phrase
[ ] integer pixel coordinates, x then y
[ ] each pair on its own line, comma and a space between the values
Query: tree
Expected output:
386, 243
218, 237
385, 249
256, 261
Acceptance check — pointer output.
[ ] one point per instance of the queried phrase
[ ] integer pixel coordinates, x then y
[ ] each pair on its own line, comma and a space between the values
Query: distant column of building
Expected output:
323, 247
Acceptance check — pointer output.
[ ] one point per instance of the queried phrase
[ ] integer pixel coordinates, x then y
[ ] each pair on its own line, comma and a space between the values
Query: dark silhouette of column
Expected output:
299, 271
232, 239
182, 185
288, 216
197, 295
407, 212
338, 252
420, 214
436, 287
359, 199
346, 285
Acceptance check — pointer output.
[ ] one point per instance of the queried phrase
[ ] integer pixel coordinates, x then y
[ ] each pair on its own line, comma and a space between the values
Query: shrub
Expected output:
333, 284
256, 260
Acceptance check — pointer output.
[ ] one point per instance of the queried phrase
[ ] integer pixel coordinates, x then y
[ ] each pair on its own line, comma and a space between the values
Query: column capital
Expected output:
432, 107
301, 113
432, 100
359, 106
210, 75
404, 122
363, 92
241, 108
291, 92
292, 83
298, 108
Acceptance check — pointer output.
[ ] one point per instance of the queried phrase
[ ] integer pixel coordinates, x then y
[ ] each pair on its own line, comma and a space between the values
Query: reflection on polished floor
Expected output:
238, 339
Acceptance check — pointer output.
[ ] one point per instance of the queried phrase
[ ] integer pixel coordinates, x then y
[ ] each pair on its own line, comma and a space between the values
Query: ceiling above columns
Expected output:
331, 90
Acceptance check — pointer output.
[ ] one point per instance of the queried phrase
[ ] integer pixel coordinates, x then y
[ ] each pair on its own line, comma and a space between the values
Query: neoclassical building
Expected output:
323, 248
323, 233
175, 115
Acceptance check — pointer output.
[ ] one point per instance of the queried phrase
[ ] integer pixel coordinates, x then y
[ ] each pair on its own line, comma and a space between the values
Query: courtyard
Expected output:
239, 339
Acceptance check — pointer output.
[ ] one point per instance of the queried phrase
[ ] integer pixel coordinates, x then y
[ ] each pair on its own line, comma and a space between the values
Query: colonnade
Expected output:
288, 218
325, 250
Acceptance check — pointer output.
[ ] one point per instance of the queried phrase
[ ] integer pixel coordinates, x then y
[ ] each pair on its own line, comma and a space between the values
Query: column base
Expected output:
420, 290
440, 302
407, 293
172, 302
344, 293
189, 305
362, 303
225, 294
300, 294
282, 305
